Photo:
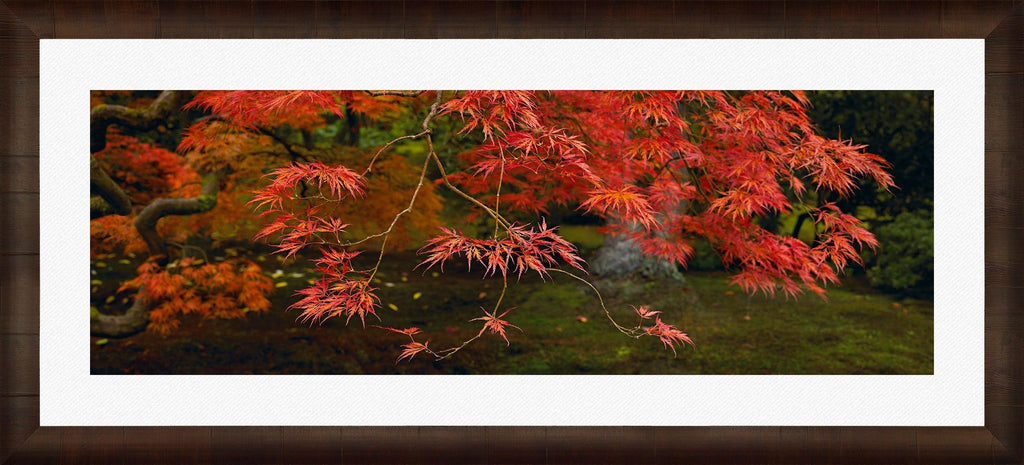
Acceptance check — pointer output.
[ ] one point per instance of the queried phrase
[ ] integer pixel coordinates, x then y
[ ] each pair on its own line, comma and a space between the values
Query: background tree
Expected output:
899, 125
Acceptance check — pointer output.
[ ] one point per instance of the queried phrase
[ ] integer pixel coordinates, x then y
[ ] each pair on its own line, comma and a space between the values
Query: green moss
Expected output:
563, 296
584, 237
96, 203
206, 202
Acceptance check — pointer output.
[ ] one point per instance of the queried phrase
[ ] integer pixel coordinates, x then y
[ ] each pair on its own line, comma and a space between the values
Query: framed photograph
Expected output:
921, 377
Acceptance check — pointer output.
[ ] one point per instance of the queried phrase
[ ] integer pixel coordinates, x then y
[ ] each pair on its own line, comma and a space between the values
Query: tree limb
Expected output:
146, 222
102, 116
401, 93
111, 198
133, 321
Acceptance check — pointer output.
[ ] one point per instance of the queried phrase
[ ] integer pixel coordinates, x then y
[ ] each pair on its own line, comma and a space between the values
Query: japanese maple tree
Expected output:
662, 168
171, 176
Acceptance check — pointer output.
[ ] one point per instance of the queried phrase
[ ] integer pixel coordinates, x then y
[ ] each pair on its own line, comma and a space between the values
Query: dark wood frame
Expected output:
23, 22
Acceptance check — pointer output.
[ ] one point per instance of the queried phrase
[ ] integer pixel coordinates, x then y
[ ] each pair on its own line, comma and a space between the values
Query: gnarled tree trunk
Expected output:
146, 222
133, 321
109, 199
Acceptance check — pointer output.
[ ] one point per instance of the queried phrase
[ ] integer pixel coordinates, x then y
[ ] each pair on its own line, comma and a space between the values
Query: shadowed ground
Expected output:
858, 331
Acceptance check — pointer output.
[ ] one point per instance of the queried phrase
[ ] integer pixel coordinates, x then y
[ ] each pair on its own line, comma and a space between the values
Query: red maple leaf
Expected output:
495, 324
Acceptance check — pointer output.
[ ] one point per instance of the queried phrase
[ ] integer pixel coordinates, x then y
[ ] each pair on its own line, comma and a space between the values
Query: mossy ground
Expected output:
857, 331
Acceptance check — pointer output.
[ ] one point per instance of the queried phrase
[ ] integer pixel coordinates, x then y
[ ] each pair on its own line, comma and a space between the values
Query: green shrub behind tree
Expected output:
904, 262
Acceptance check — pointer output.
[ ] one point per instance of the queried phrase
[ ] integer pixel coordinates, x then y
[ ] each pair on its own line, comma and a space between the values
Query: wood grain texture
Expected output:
809, 444
714, 445
23, 22
36, 15
100, 445
451, 19
19, 47
42, 448
106, 19
836, 20
1004, 49
1002, 189
360, 19
966, 19
745, 19
19, 294
19, 116
1006, 424
19, 174
21, 414
1000, 264
295, 19
641, 19
404, 443
510, 445
1004, 97
863, 445
20, 365
19, 227
171, 446
902, 20
206, 19
541, 19
246, 445
307, 445
602, 445
954, 445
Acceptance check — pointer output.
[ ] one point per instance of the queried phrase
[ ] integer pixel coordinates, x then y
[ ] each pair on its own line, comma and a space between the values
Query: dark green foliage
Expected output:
904, 261
705, 258
898, 125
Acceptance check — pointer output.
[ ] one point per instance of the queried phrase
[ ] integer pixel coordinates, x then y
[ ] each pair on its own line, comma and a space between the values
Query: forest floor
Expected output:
564, 330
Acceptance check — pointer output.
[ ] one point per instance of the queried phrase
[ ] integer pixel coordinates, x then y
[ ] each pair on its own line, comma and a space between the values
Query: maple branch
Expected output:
388, 145
400, 93
102, 116
581, 131
425, 126
296, 152
387, 233
497, 192
110, 198
146, 222
452, 350
627, 331
419, 184
444, 178
131, 322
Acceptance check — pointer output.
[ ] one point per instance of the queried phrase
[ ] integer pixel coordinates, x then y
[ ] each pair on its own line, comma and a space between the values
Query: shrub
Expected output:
904, 260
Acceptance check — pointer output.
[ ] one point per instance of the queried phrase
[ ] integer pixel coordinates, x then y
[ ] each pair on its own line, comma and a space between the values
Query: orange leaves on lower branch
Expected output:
225, 290
407, 331
115, 233
492, 322
411, 349
668, 334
